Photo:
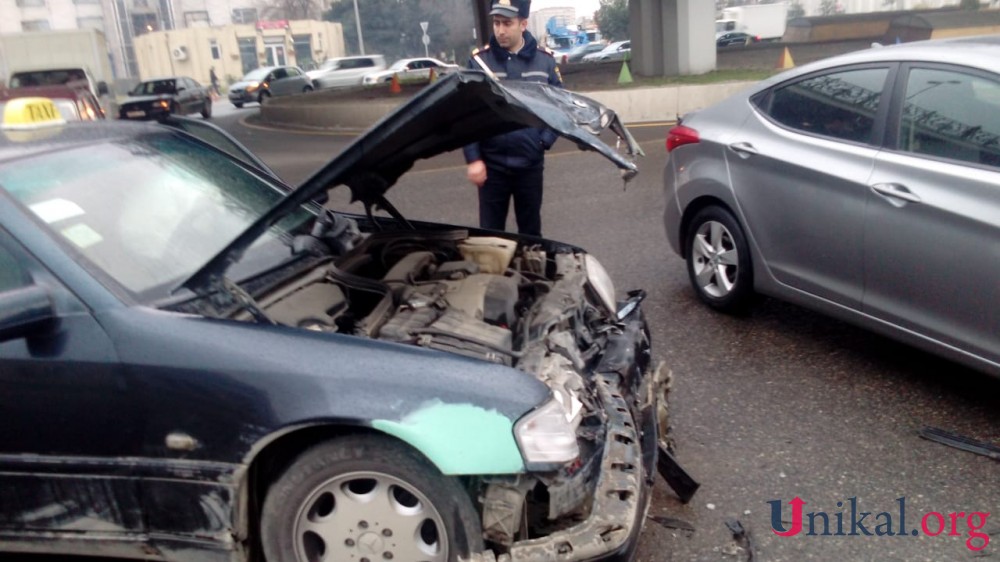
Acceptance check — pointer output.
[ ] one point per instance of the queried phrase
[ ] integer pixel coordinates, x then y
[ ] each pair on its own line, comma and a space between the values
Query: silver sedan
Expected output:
865, 186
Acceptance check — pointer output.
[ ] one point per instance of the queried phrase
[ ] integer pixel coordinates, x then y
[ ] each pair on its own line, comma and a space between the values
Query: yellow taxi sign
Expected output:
30, 113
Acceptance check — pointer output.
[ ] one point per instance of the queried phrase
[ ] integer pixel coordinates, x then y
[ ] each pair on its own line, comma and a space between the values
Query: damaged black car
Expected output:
201, 363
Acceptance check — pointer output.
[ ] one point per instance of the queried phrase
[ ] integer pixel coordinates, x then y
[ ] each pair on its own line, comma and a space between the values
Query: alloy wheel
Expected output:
369, 516
715, 259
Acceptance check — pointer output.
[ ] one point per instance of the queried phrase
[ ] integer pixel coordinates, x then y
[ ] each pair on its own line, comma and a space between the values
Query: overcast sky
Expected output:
583, 7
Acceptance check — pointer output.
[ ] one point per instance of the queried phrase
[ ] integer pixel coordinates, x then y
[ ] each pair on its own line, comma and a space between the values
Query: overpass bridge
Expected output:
669, 37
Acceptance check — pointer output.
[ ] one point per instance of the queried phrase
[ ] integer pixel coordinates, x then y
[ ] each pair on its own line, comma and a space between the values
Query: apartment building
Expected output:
123, 21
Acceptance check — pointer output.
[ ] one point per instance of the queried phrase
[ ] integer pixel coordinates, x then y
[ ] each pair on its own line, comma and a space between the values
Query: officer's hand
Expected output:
477, 172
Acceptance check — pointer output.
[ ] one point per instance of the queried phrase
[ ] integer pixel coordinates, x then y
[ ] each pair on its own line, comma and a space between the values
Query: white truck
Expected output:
46, 58
765, 21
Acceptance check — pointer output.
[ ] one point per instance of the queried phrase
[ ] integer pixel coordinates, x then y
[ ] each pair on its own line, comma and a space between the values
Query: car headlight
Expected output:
163, 103
600, 282
545, 437
252, 86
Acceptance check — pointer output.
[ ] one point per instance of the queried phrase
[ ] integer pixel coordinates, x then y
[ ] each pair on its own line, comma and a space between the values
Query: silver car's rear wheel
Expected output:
719, 260
367, 498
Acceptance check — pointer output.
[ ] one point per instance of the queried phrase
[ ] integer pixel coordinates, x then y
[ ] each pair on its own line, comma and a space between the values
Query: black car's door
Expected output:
67, 423
187, 95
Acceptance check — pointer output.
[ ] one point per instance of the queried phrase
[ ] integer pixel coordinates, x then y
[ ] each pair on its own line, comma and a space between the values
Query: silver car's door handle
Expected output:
744, 149
896, 191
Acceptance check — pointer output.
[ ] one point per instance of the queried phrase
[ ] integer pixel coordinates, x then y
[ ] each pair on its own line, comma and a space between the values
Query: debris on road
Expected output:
961, 442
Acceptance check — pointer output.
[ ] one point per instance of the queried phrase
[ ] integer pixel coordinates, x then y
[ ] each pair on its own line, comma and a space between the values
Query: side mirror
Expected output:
25, 312
102, 88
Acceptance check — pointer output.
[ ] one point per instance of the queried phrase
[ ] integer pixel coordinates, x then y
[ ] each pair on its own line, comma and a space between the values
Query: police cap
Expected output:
511, 8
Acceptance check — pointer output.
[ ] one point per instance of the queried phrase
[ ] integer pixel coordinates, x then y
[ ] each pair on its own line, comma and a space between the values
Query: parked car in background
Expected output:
73, 104
159, 97
619, 50
735, 39
346, 71
264, 82
866, 186
411, 70
242, 374
577, 53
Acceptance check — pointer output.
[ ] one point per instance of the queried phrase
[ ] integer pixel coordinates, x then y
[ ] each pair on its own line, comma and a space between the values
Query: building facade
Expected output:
234, 50
124, 21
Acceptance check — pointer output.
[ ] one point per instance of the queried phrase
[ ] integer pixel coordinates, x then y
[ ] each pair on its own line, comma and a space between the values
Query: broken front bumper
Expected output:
634, 447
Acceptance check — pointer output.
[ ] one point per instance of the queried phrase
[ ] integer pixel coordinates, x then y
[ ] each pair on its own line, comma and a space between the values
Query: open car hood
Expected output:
460, 108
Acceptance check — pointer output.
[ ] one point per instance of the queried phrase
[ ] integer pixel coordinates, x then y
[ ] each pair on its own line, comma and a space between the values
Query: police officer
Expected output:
511, 164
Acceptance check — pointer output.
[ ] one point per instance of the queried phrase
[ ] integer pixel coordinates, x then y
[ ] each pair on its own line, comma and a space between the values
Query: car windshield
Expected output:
258, 74
150, 211
46, 77
154, 87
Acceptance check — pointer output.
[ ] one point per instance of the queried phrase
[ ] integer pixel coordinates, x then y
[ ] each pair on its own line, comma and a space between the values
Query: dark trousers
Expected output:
525, 186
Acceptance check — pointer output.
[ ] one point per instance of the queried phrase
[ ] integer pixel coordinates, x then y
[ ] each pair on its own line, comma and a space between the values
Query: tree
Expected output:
289, 9
796, 10
829, 7
392, 28
612, 19
969, 4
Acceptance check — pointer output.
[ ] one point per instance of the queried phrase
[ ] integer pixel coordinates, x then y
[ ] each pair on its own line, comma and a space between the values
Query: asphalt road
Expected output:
780, 404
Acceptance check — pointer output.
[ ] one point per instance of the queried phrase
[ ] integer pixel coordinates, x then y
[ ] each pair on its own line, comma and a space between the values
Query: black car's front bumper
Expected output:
143, 112
633, 394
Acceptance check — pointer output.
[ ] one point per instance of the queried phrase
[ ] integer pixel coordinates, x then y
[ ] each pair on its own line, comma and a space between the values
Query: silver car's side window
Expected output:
951, 115
842, 105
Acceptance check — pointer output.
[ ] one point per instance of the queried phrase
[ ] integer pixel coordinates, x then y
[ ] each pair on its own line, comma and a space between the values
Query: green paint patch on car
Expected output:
460, 439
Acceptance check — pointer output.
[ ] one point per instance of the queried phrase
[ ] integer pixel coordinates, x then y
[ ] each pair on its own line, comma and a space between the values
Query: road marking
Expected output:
345, 133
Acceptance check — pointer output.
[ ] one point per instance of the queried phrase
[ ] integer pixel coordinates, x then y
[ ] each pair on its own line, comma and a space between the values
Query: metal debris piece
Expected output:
961, 442
742, 537
672, 523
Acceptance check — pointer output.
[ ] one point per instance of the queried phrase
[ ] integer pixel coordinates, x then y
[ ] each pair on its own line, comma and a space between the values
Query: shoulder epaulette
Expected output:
547, 51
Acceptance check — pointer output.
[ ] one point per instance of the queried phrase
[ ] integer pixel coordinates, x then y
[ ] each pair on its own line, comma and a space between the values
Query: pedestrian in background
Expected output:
511, 165
214, 79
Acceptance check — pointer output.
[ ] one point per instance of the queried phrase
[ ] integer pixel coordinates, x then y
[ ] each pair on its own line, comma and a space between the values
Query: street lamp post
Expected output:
357, 21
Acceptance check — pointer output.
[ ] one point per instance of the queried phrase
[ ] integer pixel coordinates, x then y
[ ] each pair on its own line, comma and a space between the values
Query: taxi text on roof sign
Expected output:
30, 113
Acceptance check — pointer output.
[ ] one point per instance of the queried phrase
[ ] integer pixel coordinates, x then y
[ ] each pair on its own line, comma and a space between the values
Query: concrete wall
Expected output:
328, 110
965, 31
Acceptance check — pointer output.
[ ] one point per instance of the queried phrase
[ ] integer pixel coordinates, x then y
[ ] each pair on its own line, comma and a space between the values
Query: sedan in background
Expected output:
263, 83
409, 70
620, 50
161, 97
577, 53
865, 186
735, 39
343, 72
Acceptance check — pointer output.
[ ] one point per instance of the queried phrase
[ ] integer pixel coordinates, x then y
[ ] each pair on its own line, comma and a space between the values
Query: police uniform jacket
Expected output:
524, 148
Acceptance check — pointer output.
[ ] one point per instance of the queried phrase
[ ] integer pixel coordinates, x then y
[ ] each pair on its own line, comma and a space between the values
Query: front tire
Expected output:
367, 497
238, 105
718, 260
